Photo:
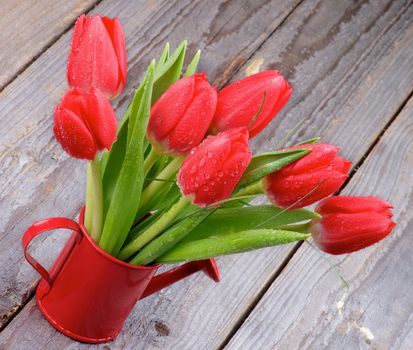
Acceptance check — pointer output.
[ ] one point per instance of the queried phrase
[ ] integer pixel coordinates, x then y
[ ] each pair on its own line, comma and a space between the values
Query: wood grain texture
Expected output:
28, 27
38, 179
346, 60
309, 308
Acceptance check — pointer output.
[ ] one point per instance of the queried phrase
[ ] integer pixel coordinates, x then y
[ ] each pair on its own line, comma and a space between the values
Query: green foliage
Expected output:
191, 69
310, 141
230, 220
127, 191
263, 164
229, 244
168, 72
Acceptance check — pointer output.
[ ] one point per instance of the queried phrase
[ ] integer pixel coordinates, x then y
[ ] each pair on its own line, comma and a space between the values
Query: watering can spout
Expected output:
167, 278
210, 268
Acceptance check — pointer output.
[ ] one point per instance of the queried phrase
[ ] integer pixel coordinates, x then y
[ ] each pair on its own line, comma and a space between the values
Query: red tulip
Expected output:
309, 179
84, 123
212, 170
351, 223
97, 55
239, 102
180, 118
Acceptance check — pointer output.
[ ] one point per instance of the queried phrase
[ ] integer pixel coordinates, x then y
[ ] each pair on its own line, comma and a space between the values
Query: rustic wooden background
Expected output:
351, 65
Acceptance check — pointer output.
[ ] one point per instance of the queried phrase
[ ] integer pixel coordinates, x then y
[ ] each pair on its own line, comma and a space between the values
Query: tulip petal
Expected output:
195, 122
345, 233
240, 101
203, 163
73, 135
115, 31
351, 204
77, 33
299, 191
76, 101
93, 60
173, 104
309, 179
260, 124
321, 155
101, 119
213, 169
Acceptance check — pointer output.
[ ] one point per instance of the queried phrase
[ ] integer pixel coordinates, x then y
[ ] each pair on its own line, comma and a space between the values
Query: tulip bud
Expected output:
180, 118
351, 223
309, 179
239, 102
84, 123
97, 55
212, 170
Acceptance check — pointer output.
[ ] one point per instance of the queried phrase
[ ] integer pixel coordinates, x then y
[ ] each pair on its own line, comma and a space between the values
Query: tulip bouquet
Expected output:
174, 180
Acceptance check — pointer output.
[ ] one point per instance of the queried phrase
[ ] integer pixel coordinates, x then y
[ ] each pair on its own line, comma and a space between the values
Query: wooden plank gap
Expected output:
358, 165
258, 297
17, 308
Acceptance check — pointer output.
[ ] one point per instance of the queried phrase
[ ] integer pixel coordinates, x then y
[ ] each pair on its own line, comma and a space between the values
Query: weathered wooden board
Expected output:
309, 308
38, 179
28, 27
362, 64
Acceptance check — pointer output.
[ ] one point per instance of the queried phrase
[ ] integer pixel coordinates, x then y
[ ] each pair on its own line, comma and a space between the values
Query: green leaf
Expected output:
160, 164
164, 57
230, 220
126, 195
111, 167
263, 164
136, 103
169, 72
142, 225
310, 141
113, 160
259, 110
238, 242
191, 69
233, 201
169, 198
169, 238
117, 151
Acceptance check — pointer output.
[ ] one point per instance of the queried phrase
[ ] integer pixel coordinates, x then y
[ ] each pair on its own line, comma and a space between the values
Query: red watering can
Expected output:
88, 294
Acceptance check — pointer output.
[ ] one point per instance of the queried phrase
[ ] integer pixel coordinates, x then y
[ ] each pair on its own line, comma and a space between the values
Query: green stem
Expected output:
150, 161
89, 198
97, 206
154, 230
254, 189
160, 181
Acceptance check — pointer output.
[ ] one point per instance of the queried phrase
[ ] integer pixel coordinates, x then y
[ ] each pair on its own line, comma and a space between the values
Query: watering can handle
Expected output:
47, 225
167, 278
157, 283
